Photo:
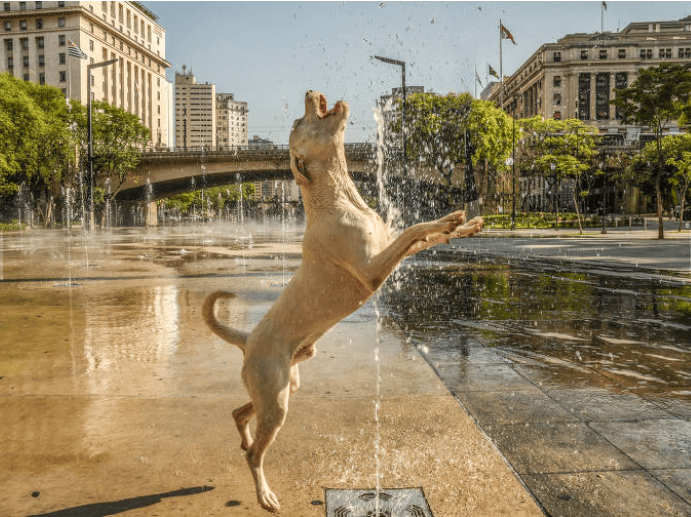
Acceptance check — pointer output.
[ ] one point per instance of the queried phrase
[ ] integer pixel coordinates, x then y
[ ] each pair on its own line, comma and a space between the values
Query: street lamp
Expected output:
555, 193
90, 67
402, 65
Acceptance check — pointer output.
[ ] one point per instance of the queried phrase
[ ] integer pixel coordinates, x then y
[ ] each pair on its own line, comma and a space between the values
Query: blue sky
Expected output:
269, 53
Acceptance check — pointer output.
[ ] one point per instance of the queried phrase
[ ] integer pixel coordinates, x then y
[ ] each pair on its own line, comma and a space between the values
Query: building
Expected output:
195, 112
231, 121
576, 76
36, 38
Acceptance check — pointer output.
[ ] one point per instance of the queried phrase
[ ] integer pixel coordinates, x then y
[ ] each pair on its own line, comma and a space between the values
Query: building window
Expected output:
91, 45
602, 96
61, 40
557, 99
8, 44
62, 58
646, 53
61, 4
63, 76
665, 53
8, 26
22, 25
22, 6
584, 96
25, 61
39, 5
685, 53
621, 81
622, 53
41, 60
557, 81
39, 23
41, 78
61, 21
26, 77
557, 115
584, 54
7, 6
603, 54
10, 63
40, 43
24, 42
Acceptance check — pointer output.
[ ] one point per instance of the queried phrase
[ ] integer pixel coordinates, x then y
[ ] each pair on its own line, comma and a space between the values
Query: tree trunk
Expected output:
578, 213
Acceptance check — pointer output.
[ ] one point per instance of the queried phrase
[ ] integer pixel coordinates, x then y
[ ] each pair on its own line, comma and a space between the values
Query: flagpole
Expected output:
501, 71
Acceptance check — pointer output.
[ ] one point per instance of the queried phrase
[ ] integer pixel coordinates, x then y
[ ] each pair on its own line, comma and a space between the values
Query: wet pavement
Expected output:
555, 379
116, 399
572, 357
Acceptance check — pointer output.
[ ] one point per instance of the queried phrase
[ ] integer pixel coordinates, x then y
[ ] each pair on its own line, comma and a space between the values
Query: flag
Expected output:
604, 5
493, 72
505, 34
477, 78
74, 50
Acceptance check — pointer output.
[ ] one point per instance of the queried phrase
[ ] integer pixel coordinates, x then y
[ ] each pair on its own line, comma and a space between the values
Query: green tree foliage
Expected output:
658, 96
215, 198
679, 158
118, 138
557, 150
36, 146
436, 130
41, 138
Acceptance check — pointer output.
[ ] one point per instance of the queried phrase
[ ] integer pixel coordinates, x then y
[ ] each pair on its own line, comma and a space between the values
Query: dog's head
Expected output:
318, 136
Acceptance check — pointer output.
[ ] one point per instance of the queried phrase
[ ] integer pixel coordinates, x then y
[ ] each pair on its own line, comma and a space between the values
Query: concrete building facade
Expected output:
231, 121
35, 47
195, 112
576, 76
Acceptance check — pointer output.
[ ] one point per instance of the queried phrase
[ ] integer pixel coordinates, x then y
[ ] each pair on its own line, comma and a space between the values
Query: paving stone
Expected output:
654, 444
589, 494
553, 448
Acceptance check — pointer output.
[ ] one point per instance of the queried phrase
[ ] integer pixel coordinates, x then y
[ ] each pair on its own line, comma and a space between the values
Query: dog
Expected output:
347, 254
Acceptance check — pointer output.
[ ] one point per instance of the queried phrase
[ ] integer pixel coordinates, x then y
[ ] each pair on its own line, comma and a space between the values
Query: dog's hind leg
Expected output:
269, 382
242, 416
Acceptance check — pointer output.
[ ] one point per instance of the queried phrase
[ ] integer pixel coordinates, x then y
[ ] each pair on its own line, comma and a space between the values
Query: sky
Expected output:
269, 53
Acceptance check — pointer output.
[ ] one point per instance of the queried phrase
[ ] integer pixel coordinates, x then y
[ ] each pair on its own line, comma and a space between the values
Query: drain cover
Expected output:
393, 502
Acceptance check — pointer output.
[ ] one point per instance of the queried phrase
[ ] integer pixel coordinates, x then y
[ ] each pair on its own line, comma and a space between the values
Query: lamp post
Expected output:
402, 65
89, 68
554, 194
513, 169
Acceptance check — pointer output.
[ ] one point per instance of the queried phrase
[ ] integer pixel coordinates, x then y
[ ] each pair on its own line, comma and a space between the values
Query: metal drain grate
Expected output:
393, 502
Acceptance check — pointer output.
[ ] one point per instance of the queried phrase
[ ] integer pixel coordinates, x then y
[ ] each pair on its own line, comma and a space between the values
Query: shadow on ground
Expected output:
125, 505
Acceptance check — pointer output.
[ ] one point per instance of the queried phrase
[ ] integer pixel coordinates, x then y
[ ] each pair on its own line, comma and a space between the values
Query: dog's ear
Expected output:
297, 165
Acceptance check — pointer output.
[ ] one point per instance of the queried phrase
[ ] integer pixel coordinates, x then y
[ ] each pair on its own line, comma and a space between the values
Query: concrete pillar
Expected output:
152, 214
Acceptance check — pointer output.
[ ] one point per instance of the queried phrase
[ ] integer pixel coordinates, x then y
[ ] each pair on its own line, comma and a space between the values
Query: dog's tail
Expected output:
235, 337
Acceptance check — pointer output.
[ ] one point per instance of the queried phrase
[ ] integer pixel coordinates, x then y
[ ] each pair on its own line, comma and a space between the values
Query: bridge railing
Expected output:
278, 149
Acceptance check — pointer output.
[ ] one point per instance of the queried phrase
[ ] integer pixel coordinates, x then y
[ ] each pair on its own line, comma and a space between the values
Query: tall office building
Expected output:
231, 121
576, 76
195, 112
36, 47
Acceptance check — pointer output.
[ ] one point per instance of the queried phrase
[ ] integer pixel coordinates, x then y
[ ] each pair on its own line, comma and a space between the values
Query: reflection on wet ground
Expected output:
580, 376
581, 379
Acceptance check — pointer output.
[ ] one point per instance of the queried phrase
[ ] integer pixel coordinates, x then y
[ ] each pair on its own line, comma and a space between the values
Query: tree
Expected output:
437, 125
557, 150
35, 141
118, 139
680, 160
658, 96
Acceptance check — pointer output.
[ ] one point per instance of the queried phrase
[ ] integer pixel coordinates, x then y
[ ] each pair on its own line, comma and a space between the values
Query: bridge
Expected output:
164, 173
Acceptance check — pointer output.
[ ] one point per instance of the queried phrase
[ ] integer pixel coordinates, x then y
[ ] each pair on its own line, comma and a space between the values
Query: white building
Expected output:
36, 37
231, 121
195, 112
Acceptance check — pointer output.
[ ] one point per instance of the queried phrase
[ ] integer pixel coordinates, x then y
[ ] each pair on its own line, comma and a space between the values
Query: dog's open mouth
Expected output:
322, 108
